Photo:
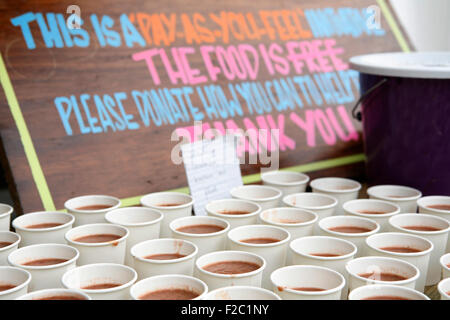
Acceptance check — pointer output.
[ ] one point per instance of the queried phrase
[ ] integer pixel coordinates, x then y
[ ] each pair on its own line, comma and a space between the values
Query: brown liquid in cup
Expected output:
61, 298
308, 289
350, 229
385, 298
260, 240
325, 254
372, 212
231, 267
234, 212
383, 276
5, 287
397, 197
94, 207
165, 256
401, 249
201, 228
5, 244
168, 204
44, 262
97, 238
421, 228
43, 225
440, 206
448, 265
288, 221
170, 294
101, 286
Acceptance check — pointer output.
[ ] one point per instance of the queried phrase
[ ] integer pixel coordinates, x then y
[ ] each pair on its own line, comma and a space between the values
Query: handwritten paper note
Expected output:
212, 170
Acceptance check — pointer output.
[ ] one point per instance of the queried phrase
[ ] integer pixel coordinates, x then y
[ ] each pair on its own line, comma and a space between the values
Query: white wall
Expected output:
427, 22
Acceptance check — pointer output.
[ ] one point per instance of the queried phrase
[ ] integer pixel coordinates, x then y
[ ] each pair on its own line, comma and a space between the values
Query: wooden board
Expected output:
48, 159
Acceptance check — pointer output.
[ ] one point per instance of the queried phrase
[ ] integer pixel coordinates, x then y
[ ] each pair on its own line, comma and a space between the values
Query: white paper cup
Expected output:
267, 197
219, 208
241, 293
11, 276
438, 238
55, 294
217, 280
340, 188
169, 282
421, 259
13, 239
152, 267
173, 205
5, 216
108, 252
424, 204
445, 265
303, 250
206, 242
364, 207
284, 280
142, 223
87, 216
45, 277
377, 266
444, 289
43, 235
358, 239
100, 274
321, 204
274, 253
405, 197
298, 222
288, 182
382, 290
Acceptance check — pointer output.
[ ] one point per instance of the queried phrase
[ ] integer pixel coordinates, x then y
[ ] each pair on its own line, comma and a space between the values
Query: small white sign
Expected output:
212, 170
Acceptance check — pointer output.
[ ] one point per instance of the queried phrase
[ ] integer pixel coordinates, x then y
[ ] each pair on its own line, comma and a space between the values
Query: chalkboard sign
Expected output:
97, 94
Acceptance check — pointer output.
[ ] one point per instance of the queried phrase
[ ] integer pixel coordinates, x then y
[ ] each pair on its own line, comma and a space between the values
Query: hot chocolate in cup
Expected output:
236, 212
324, 251
9, 241
99, 242
321, 204
444, 289
340, 188
55, 294
142, 223
43, 227
445, 265
307, 282
45, 262
241, 293
169, 287
207, 233
164, 256
91, 209
5, 216
431, 227
386, 292
405, 197
410, 248
267, 197
350, 228
267, 241
381, 270
230, 268
377, 210
288, 182
101, 281
173, 205
438, 206
13, 282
